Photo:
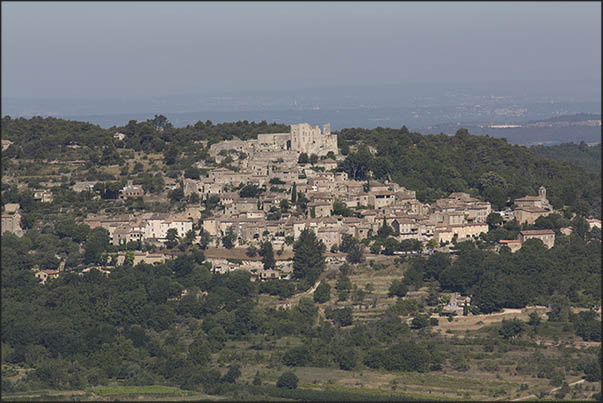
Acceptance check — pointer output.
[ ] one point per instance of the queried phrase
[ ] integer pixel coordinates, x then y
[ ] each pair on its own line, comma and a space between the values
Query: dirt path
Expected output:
550, 391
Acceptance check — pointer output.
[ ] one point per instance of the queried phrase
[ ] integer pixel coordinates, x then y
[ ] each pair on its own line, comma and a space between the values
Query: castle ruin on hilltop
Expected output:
303, 138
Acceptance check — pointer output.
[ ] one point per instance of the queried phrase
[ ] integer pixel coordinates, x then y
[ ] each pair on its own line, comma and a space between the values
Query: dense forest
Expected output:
436, 165
582, 155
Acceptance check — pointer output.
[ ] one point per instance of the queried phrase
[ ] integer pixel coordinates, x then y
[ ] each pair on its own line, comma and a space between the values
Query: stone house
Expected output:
513, 244
6, 144
381, 198
328, 236
529, 215
463, 232
44, 196
131, 192
157, 226
44, 275
321, 209
11, 219
547, 236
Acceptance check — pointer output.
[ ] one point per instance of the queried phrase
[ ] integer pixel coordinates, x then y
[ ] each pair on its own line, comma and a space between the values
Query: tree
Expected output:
229, 238
204, 239
322, 293
251, 251
234, 372
267, 255
397, 288
356, 253
534, 319
250, 190
189, 237
287, 380
159, 122
192, 172
96, 244
199, 351
560, 309
343, 283
170, 155
346, 357
510, 328
257, 380
580, 226
172, 238
294, 193
297, 356
313, 159
308, 258
176, 195
341, 316
385, 230
340, 208
494, 220
194, 198
303, 158
419, 322
390, 246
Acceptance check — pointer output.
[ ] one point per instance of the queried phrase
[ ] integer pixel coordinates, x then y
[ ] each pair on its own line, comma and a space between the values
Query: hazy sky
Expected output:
106, 49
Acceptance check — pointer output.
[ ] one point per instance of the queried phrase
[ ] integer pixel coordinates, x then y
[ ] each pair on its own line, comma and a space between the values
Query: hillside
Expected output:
583, 155
374, 328
435, 165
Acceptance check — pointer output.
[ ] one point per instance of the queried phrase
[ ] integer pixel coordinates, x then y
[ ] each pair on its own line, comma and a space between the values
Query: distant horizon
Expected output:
99, 50
217, 91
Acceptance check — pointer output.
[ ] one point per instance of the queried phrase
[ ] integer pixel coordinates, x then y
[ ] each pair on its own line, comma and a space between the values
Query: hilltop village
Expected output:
146, 255
281, 184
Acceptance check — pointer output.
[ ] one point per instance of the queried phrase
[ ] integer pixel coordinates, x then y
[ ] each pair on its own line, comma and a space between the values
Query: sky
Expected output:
125, 49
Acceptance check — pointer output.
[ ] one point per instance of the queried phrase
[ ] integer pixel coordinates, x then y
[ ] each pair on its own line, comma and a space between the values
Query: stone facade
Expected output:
303, 138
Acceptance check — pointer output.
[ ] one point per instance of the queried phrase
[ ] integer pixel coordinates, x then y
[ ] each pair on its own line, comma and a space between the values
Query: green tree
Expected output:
397, 288
494, 220
267, 255
296, 356
170, 155
176, 195
172, 238
189, 237
192, 172
308, 258
96, 244
511, 328
322, 293
229, 238
420, 322
355, 253
199, 351
233, 373
251, 251
204, 240
250, 190
287, 380
303, 158
257, 380
294, 193
340, 208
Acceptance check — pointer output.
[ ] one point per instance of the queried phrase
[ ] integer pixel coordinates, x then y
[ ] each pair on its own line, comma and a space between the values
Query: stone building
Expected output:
303, 138
547, 236
11, 219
